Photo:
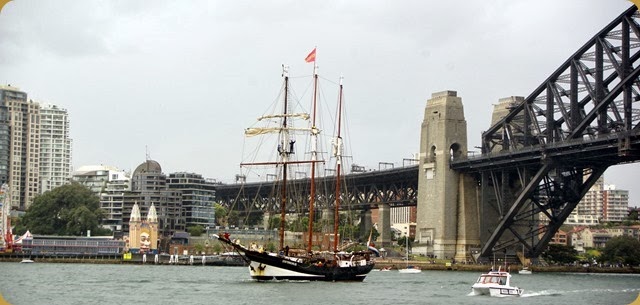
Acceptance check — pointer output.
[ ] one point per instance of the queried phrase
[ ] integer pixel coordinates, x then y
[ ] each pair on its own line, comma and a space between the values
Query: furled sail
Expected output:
304, 116
254, 131
250, 132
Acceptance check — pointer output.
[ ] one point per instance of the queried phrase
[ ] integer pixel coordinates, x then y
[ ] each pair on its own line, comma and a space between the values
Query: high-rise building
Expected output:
4, 137
591, 203
604, 202
615, 203
198, 198
20, 118
55, 147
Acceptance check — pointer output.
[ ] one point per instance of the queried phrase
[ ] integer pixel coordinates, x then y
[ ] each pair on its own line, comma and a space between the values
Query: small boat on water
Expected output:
387, 268
410, 269
26, 261
496, 284
525, 270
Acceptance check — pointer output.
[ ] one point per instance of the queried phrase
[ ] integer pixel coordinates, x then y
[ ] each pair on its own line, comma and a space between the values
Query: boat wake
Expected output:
579, 291
540, 293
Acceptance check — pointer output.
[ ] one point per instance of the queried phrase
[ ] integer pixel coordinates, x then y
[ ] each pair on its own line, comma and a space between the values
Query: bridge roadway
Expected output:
364, 190
602, 151
398, 187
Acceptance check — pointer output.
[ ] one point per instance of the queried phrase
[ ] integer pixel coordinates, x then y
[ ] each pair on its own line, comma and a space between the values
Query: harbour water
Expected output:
51, 284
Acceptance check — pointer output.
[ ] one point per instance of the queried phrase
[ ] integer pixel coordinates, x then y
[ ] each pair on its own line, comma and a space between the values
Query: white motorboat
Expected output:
524, 270
26, 261
495, 284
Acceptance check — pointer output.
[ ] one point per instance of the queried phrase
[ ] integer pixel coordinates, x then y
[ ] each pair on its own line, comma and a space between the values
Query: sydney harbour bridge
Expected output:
538, 159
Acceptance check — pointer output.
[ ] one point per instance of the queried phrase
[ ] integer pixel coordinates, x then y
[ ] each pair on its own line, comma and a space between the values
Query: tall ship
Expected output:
303, 263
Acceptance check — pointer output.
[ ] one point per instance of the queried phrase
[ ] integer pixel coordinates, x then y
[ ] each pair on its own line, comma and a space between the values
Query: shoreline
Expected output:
380, 263
399, 264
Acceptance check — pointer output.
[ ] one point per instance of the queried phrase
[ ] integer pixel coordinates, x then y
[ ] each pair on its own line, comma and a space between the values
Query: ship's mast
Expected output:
337, 152
314, 157
284, 155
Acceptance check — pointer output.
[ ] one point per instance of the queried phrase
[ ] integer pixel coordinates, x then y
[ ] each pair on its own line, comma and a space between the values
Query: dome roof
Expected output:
148, 166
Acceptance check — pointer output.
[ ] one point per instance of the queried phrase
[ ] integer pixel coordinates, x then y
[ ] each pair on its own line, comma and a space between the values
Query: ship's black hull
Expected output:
265, 266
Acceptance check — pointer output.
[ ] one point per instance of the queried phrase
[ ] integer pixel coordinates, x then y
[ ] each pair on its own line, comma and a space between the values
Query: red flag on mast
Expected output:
312, 56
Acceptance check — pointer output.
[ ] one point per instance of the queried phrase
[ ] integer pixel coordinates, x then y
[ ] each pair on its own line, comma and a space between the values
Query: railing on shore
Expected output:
128, 258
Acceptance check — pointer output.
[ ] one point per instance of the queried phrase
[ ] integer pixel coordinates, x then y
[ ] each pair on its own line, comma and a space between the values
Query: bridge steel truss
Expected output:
545, 154
363, 191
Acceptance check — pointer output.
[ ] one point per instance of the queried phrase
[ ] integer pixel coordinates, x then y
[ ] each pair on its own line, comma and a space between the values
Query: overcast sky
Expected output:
184, 78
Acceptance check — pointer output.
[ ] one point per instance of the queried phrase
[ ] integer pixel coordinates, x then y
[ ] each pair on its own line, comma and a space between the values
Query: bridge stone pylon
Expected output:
447, 219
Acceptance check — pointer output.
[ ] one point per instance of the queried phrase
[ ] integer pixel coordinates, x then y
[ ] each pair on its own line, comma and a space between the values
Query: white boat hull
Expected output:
505, 291
497, 291
410, 270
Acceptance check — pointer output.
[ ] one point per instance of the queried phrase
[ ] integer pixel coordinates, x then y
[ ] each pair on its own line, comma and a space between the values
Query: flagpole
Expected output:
315, 61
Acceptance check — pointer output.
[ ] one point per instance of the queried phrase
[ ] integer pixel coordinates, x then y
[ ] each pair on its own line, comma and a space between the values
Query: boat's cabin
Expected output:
494, 278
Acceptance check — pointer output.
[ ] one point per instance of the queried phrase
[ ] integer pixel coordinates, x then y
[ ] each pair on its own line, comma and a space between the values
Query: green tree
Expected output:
402, 241
274, 222
198, 248
254, 218
233, 218
221, 214
196, 230
217, 248
560, 254
622, 249
375, 234
633, 214
299, 224
270, 246
70, 209
592, 255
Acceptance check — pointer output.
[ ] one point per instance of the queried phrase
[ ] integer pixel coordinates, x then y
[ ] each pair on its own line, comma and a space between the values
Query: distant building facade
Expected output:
560, 238
615, 205
604, 202
576, 219
149, 187
181, 200
198, 198
55, 147
110, 184
100, 245
20, 153
35, 147
143, 234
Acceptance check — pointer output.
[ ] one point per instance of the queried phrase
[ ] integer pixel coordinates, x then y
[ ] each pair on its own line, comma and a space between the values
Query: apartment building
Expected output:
198, 198
20, 140
604, 202
110, 184
55, 147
